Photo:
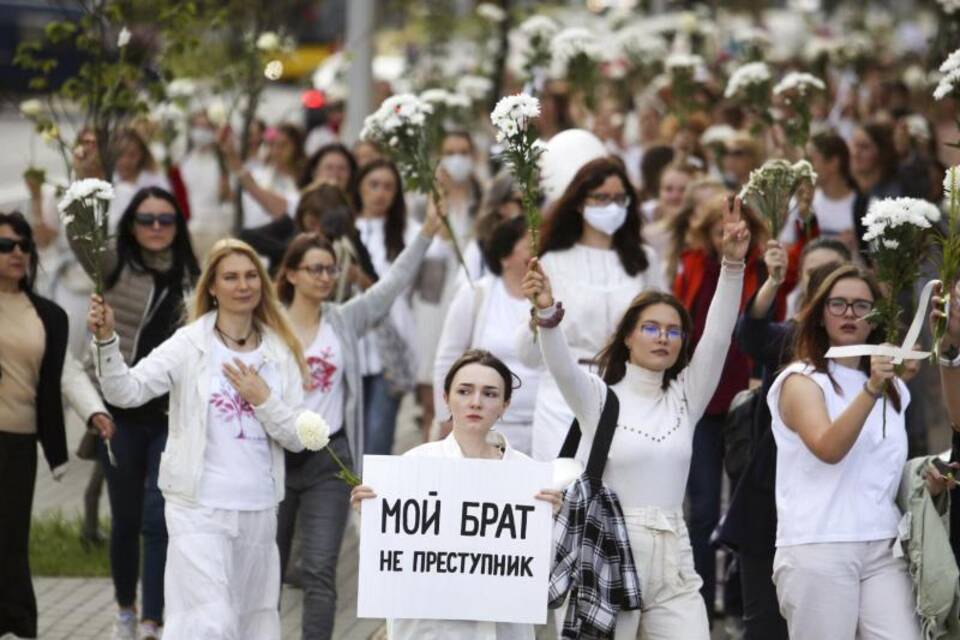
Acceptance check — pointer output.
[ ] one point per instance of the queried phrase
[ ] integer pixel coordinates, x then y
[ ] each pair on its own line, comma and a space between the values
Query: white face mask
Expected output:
458, 166
201, 137
607, 218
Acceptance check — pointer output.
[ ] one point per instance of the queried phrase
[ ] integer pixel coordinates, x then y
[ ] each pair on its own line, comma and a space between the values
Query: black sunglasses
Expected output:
7, 245
150, 219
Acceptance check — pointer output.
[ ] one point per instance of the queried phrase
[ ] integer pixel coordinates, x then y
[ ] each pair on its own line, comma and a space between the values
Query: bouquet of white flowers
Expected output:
643, 53
537, 32
898, 237
681, 70
750, 86
770, 188
795, 89
83, 212
512, 118
403, 127
314, 434
575, 55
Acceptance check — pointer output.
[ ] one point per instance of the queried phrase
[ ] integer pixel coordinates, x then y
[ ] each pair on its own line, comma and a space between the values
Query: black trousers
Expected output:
18, 477
761, 610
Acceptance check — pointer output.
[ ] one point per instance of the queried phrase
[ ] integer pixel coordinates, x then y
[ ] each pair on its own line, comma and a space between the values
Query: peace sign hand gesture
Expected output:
736, 234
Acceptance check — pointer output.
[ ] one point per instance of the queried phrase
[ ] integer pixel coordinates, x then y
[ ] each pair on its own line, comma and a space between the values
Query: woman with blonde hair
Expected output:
235, 374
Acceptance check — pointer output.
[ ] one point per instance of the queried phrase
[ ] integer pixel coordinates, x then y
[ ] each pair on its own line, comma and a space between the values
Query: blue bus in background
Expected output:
24, 21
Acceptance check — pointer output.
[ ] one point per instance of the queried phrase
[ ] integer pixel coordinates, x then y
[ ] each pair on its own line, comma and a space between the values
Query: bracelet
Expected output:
735, 265
553, 320
103, 343
866, 389
950, 358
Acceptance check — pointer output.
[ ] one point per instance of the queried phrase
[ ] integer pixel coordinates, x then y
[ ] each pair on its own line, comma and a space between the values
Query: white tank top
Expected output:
853, 500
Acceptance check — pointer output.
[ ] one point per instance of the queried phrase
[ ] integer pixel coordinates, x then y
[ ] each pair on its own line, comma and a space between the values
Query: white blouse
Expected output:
649, 458
853, 500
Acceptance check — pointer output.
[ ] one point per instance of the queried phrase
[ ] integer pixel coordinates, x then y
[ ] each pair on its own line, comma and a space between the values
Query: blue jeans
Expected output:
318, 503
379, 415
136, 505
703, 491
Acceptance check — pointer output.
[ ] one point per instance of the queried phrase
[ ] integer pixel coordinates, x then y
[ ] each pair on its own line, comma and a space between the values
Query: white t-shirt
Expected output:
326, 395
833, 216
236, 460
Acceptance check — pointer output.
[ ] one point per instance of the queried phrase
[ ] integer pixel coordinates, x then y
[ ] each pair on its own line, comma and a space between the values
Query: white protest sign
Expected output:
455, 539
904, 351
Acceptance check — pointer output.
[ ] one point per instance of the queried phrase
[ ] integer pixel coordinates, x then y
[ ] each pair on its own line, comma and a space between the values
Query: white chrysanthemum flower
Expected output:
491, 12
803, 170
820, 46
268, 41
688, 61
952, 63
512, 114
889, 213
85, 191
717, 134
915, 77
750, 74
800, 82
313, 430
475, 87
951, 182
401, 112
181, 88
273, 70
951, 76
752, 35
435, 96
538, 27
217, 113
123, 38
31, 108
569, 43
949, 6
641, 46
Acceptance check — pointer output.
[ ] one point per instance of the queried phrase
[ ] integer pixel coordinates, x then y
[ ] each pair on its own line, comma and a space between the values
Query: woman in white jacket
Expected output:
477, 391
235, 375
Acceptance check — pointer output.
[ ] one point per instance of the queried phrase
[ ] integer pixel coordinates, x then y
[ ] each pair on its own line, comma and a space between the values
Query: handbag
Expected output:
600, 449
737, 430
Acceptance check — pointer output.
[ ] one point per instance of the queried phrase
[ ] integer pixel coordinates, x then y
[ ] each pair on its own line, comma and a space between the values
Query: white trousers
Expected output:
673, 608
222, 580
845, 590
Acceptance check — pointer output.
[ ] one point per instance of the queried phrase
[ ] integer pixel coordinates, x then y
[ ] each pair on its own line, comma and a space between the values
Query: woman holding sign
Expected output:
661, 398
331, 334
477, 390
235, 375
838, 474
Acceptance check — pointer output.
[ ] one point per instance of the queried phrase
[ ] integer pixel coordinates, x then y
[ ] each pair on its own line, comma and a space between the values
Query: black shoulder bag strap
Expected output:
601, 442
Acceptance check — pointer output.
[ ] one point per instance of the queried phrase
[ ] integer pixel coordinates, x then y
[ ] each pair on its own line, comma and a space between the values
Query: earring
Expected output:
214, 300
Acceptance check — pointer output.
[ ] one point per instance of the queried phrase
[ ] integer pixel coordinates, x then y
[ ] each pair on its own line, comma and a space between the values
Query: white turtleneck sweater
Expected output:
649, 457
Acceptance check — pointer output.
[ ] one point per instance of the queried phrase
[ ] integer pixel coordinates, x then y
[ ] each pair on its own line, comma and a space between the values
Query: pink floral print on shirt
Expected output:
232, 407
322, 370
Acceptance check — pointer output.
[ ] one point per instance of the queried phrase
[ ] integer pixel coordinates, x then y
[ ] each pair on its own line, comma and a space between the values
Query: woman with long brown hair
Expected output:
841, 445
662, 392
592, 248
316, 498
235, 375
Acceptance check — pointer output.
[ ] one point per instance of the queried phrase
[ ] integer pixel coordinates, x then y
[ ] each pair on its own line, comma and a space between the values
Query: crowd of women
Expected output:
340, 292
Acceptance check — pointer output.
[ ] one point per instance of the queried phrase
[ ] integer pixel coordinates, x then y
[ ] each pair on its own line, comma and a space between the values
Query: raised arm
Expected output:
152, 377
950, 353
584, 393
702, 375
367, 309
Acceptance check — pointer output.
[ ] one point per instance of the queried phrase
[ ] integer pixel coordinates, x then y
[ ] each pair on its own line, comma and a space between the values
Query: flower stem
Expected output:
345, 474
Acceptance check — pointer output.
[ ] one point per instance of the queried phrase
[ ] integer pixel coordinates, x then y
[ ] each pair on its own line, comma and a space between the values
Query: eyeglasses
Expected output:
838, 307
607, 198
737, 152
654, 332
150, 219
7, 245
317, 270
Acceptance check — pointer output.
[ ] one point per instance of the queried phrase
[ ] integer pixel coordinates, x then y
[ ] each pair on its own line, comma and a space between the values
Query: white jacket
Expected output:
180, 367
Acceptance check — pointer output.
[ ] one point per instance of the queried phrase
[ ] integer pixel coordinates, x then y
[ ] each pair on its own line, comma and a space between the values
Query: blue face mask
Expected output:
606, 219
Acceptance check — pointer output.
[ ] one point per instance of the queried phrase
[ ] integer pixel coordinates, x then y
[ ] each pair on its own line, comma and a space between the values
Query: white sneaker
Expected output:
148, 631
125, 626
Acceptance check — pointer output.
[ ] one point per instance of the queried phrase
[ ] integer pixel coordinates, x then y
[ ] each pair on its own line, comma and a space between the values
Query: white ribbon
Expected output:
904, 351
